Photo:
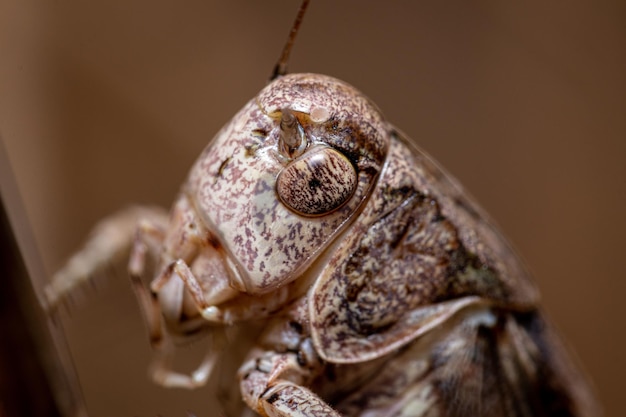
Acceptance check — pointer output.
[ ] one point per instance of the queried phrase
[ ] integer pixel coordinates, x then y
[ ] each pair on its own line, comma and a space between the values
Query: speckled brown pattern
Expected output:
414, 247
237, 198
382, 289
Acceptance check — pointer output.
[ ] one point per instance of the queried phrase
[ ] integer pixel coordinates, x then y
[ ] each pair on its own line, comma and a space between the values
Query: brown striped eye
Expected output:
317, 183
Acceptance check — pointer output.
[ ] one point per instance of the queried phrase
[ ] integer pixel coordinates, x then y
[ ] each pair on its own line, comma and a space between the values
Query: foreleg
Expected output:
272, 386
163, 374
274, 382
149, 238
109, 242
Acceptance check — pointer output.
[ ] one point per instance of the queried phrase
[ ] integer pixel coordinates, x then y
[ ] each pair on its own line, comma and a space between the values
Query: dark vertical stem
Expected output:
25, 387
37, 375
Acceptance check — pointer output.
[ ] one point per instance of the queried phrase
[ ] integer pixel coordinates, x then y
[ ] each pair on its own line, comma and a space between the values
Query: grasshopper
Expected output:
381, 287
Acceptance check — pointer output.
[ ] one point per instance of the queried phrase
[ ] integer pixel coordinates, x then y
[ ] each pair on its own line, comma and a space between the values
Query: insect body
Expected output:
384, 289
381, 288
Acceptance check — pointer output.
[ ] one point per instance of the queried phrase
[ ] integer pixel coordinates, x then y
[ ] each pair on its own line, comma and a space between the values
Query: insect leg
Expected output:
192, 284
109, 241
290, 400
272, 385
147, 236
161, 368
274, 379
162, 373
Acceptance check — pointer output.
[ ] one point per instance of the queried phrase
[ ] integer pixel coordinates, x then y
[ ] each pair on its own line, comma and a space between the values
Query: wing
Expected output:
478, 364
413, 270
419, 252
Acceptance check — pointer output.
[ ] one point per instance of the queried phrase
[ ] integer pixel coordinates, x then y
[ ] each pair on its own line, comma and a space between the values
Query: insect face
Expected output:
379, 286
287, 175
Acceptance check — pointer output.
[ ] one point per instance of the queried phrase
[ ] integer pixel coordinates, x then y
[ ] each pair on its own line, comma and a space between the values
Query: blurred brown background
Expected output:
108, 103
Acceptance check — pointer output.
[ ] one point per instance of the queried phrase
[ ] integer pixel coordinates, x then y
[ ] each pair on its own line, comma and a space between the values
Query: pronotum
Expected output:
381, 288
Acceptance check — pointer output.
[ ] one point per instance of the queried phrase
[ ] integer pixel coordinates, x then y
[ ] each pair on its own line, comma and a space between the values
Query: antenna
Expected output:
281, 66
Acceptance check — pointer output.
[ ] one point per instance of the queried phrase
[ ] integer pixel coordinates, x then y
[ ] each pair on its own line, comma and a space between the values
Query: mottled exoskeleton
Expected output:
382, 289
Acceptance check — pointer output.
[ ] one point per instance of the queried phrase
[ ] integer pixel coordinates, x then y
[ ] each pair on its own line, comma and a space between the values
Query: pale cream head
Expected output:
287, 174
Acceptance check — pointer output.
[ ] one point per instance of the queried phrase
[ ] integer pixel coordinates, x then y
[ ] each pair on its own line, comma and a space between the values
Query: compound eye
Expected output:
318, 183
